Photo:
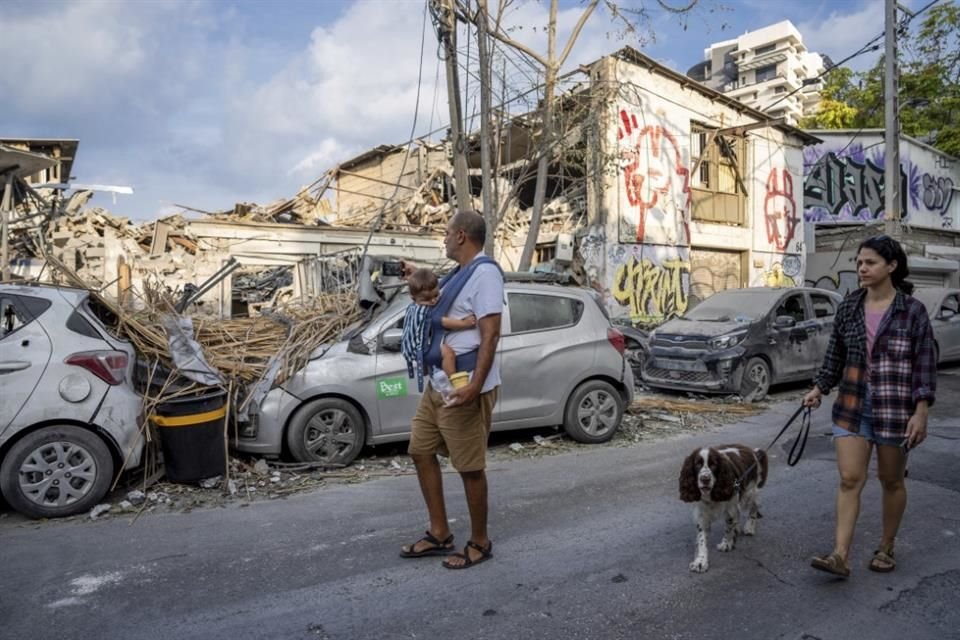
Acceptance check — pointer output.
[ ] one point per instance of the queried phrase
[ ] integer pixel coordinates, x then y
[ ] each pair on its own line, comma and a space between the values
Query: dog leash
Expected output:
794, 456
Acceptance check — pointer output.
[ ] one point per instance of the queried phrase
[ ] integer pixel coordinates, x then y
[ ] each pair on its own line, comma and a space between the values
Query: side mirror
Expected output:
391, 339
946, 314
784, 322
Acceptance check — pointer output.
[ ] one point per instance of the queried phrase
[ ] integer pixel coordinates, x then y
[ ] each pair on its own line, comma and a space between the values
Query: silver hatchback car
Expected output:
561, 363
69, 415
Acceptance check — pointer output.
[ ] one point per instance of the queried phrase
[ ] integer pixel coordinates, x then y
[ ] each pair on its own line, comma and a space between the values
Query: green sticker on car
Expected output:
391, 388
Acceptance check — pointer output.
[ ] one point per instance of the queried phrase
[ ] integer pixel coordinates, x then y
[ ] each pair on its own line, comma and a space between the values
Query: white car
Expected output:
561, 363
70, 418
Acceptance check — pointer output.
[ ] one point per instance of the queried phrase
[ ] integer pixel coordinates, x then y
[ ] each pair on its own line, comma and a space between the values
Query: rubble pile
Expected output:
425, 209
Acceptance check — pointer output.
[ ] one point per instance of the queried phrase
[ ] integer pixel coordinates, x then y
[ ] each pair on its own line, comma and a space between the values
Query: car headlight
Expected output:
727, 341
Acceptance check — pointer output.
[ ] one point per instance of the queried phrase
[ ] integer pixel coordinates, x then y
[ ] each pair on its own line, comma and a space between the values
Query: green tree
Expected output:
929, 86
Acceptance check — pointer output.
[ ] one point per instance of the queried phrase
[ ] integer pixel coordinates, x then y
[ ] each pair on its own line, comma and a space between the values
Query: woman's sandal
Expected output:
882, 561
485, 554
832, 563
436, 548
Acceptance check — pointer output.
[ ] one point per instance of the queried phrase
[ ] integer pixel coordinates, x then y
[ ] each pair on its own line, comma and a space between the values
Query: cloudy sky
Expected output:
210, 102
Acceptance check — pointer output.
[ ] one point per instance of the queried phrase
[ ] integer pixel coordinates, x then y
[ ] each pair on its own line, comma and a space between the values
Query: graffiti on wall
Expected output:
591, 246
937, 196
843, 282
782, 273
847, 184
652, 285
657, 184
780, 209
845, 188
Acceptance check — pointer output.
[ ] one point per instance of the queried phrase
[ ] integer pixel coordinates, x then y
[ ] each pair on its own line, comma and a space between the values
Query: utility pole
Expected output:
445, 19
5, 207
891, 174
489, 206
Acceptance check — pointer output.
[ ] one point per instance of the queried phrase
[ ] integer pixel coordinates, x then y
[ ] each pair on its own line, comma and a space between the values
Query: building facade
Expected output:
704, 195
843, 202
769, 69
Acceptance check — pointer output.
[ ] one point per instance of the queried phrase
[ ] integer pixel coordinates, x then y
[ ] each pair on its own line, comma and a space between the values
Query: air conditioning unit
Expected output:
564, 253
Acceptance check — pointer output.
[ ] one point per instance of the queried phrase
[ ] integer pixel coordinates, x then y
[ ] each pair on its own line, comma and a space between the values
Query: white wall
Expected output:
638, 250
843, 181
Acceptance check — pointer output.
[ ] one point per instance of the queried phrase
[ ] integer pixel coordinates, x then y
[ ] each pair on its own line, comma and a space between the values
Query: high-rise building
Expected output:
769, 69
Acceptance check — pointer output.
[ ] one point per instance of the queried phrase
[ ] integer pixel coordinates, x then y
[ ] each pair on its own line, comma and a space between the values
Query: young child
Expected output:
425, 291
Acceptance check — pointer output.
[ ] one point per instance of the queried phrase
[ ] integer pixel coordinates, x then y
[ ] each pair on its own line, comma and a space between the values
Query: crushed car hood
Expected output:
700, 327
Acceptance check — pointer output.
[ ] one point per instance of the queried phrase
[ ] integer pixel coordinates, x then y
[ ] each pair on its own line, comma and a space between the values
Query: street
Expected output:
589, 544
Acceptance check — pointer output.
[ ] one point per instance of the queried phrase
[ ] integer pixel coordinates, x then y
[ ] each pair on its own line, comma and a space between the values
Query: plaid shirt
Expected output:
902, 366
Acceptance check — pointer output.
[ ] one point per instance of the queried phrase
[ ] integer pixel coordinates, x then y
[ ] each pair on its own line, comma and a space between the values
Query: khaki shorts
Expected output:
459, 432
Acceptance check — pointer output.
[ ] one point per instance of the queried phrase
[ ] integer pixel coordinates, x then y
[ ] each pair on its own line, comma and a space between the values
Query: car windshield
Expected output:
740, 305
930, 298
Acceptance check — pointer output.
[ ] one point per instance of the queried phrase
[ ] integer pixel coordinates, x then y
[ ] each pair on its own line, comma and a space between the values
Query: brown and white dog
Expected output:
709, 478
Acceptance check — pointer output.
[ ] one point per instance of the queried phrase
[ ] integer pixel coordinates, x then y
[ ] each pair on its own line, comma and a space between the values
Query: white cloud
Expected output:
840, 34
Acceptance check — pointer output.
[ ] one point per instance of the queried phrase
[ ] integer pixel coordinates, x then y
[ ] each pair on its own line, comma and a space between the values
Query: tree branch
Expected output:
576, 32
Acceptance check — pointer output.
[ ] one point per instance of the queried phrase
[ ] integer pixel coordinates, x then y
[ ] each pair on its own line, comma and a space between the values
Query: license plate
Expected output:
675, 364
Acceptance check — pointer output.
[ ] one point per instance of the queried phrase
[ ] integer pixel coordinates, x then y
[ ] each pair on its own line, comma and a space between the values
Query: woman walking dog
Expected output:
881, 355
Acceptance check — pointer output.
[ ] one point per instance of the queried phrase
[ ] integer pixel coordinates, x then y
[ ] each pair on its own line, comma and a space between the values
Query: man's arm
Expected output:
489, 338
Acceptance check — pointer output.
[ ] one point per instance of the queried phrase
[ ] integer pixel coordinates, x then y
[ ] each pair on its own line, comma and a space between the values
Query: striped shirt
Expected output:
902, 366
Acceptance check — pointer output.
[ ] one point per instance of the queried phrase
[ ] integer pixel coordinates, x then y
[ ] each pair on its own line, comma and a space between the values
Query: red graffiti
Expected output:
652, 169
780, 209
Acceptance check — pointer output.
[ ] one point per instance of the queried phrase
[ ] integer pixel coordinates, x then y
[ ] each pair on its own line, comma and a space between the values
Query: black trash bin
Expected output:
192, 436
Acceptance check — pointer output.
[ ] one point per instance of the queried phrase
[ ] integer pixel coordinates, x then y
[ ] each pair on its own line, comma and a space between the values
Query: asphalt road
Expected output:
591, 544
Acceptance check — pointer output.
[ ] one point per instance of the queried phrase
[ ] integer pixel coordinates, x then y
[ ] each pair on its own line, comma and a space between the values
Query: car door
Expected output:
791, 345
397, 393
25, 350
948, 335
824, 310
541, 349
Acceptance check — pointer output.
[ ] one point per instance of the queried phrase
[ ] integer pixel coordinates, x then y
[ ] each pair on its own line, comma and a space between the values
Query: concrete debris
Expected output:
516, 447
125, 505
136, 497
99, 510
210, 483
261, 468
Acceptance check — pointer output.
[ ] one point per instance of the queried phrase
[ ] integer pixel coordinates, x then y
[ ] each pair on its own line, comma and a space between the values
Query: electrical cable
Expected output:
413, 129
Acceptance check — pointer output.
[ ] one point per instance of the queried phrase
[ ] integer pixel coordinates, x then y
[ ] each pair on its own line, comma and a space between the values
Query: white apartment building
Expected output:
768, 69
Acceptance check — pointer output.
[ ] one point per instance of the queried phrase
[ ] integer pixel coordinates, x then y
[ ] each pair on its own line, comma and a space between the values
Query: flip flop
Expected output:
832, 563
882, 561
485, 554
437, 547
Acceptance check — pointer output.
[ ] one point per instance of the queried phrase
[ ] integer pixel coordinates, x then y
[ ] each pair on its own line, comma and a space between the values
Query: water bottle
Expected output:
440, 382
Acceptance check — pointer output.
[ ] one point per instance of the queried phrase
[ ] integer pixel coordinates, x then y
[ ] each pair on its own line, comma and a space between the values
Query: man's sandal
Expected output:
436, 548
882, 561
832, 563
485, 554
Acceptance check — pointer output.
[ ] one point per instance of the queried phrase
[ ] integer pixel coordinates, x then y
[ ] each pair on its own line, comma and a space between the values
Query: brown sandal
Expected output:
832, 563
437, 547
883, 561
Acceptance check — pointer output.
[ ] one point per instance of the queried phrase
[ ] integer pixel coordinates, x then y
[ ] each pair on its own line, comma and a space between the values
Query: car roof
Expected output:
766, 293
53, 292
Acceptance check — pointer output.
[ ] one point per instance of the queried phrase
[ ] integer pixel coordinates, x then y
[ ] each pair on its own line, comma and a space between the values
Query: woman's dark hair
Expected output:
891, 251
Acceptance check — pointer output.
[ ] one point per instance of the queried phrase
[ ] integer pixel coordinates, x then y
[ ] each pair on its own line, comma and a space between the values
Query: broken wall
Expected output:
644, 247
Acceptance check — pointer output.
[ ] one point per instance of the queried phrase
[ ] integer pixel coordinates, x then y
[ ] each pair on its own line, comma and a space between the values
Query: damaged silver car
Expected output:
743, 341
70, 418
562, 363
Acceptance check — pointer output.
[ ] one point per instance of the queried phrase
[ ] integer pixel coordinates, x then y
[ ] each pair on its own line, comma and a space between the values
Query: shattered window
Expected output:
793, 307
10, 318
533, 312
952, 304
822, 306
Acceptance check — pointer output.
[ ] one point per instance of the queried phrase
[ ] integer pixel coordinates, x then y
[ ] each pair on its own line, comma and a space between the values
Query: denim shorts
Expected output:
866, 427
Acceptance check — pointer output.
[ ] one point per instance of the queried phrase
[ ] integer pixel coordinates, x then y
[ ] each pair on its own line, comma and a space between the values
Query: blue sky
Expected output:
210, 102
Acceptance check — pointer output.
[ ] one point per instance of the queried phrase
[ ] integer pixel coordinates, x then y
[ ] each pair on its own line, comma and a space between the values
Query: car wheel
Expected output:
326, 430
593, 412
756, 380
56, 471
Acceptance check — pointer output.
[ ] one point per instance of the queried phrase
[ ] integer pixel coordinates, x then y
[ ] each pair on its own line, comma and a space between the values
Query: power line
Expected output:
413, 130
869, 46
